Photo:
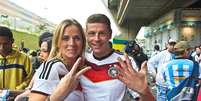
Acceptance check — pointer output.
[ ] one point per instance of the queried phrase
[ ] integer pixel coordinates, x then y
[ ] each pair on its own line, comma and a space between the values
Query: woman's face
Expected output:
44, 53
71, 43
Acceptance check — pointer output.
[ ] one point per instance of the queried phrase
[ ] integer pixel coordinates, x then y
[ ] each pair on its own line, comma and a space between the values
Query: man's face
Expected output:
187, 53
198, 50
98, 36
170, 47
5, 45
136, 49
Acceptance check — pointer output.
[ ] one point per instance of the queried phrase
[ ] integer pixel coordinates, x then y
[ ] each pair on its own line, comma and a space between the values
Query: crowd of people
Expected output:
66, 71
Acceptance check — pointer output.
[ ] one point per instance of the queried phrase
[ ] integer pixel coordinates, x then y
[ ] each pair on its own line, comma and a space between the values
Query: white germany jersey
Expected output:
96, 83
48, 76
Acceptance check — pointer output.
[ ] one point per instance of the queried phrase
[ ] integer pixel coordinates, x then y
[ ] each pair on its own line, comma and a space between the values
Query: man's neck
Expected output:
6, 54
107, 53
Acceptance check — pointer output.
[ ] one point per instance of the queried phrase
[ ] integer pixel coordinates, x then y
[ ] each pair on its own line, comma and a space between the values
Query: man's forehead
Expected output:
96, 24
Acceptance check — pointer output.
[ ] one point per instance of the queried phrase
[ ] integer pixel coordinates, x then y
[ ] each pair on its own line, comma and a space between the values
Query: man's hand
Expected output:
134, 80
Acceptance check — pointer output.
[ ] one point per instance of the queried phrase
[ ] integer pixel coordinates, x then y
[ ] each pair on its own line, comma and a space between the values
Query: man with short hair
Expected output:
100, 83
138, 55
15, 67
196, 54
111, 72
157, 62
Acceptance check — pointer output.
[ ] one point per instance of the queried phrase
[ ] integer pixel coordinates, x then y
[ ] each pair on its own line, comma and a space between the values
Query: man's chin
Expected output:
96, 51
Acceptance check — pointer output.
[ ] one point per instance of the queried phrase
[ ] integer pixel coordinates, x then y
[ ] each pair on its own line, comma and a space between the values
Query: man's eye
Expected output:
103, 33
91, 33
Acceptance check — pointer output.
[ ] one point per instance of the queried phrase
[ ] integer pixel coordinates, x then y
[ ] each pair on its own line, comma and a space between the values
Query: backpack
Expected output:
188, 89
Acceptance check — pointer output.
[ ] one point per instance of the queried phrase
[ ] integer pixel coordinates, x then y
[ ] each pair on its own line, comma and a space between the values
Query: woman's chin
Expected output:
72, 56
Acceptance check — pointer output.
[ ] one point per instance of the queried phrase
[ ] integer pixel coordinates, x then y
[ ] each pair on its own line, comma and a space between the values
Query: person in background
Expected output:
21, 45
196, 54
155, 65
138, 55
152, 77
15, 67
129, 47
25, 50
68, 47
156, 50
45, 43
180, 68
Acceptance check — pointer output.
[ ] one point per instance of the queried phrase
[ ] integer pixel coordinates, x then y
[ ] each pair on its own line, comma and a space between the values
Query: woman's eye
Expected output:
66, 38
77, 38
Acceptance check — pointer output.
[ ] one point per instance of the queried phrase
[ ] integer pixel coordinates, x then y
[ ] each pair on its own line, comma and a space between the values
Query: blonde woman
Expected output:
68, 45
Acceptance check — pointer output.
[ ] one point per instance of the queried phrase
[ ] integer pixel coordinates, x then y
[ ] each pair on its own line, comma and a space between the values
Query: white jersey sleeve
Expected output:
48, 76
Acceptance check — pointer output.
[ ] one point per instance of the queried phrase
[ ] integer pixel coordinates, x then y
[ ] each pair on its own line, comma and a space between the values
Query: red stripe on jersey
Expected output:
99, 73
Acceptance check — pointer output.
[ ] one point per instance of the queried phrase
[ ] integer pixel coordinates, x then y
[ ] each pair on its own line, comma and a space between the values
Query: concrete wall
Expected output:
129, 29
185, 24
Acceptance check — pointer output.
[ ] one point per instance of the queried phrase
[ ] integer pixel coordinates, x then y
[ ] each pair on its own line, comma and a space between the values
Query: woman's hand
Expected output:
68, 82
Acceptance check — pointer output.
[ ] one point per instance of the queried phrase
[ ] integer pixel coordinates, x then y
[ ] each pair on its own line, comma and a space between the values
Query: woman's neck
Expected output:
69, 63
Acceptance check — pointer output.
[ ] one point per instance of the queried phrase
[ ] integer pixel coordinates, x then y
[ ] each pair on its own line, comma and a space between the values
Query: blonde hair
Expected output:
58, 34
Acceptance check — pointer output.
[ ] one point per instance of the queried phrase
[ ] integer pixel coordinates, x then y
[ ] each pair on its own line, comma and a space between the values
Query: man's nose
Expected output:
97, 36
1, 46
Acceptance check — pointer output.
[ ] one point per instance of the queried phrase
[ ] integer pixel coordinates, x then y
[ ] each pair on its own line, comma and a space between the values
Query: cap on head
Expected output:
181, 46
172, 41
